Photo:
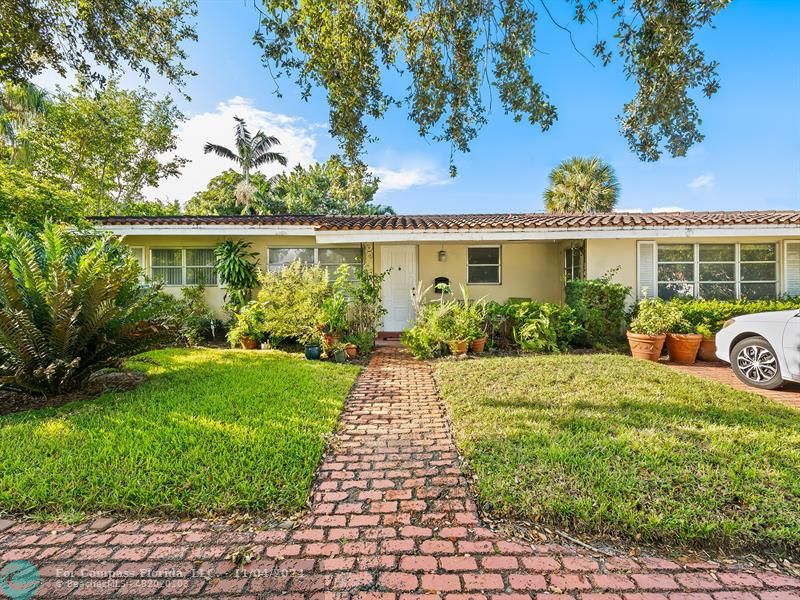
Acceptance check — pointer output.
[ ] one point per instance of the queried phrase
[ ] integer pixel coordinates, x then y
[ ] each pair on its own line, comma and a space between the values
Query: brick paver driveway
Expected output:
391, 518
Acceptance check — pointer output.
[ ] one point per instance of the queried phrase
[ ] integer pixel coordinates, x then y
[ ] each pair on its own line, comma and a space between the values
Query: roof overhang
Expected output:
227, 230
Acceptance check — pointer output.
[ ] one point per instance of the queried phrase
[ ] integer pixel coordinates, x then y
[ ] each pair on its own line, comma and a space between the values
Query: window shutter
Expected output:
646, 282
791, 268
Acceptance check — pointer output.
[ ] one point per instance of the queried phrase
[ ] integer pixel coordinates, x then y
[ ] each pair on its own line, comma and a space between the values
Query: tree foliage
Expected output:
458, 53
219, 197
107, 145
20, 105
93, 35
70, 305
580, 185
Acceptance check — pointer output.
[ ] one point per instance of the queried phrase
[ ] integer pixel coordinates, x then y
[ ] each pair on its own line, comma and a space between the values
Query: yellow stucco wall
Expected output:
528, 270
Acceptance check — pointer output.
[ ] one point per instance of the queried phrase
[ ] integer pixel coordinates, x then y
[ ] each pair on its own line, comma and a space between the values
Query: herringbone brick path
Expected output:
391, 519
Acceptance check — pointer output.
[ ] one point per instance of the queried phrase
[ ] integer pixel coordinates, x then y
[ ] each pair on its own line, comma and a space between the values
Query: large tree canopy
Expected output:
66, 35
455, 51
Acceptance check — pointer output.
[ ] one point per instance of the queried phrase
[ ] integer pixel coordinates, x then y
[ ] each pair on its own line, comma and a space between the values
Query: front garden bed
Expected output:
211, 432
603, 444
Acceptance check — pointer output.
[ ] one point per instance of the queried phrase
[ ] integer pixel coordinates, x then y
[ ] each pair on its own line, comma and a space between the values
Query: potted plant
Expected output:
334, 310
249, 329
339, 353
683, 343
351, 346
708, 347
648, 330
477, 342
457, 325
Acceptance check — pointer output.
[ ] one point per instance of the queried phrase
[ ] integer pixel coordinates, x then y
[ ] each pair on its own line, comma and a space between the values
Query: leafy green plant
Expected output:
599, 306
365, 312
250, 323
337, 302
237, 271
656, 317
70, 305
539, 326
709, 315
363, 340
292, 300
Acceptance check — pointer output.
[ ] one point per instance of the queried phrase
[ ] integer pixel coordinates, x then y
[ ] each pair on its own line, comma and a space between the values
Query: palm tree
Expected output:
251, 152
580, 185
20, 105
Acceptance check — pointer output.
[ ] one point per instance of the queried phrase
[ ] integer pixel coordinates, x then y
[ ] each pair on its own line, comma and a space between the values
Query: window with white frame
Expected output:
183, 266
722, 271
483, 265
327, 258
573, 262
138, 253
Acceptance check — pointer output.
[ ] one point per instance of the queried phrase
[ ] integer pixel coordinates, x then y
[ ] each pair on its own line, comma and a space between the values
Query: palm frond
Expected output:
222, 151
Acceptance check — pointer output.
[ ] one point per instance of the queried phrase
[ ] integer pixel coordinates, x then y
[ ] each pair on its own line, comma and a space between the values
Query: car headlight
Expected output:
728, 323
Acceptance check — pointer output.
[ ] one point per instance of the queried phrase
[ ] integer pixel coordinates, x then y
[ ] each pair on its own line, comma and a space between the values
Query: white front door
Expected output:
400, 283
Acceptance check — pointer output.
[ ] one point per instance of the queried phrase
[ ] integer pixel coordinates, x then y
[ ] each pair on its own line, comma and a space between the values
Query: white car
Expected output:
763, 348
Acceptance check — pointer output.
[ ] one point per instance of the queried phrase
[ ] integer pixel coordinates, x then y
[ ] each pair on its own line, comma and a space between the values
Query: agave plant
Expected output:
70, 305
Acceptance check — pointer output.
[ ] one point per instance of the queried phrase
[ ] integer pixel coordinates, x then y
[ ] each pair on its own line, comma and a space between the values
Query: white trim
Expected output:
785, 282
654, 266
298, 230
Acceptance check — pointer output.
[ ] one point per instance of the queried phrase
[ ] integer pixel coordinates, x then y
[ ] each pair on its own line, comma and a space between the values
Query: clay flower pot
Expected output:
646, 347
458, 347
682, 347
708, 349
478, 345
249, 343
351, 350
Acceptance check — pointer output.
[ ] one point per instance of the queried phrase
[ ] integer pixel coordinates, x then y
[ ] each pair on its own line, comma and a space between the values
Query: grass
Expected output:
603, 444
211, 432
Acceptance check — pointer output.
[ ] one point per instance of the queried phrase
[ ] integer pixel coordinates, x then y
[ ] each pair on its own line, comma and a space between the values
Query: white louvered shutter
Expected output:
646, 281
791, 268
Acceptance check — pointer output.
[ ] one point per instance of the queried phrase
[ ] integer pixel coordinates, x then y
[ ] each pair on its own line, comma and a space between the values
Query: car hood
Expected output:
777, 316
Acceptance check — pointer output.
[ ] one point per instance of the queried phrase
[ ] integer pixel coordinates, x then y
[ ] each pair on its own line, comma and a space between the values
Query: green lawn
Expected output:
212, 431
607, 445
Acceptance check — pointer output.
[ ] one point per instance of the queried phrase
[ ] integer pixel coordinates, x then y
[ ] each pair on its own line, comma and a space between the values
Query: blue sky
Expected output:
749, 160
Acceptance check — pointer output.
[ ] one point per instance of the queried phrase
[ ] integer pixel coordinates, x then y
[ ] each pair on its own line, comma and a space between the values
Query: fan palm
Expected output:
580, 185
251, 152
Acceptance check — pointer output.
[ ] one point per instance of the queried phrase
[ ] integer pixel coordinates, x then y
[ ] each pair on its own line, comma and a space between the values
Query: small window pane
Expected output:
755, 291
483, 256
199, 258
169, 275
763, 252
167, 258
758, 272
717, 252
138, 254
286, 256
676, 272
339, 256
719, 291
483, 274
668, 290
201, 275
717, 271
675, 252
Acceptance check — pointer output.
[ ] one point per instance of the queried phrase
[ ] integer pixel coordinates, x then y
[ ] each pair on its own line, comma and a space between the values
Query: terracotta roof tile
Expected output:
480, 221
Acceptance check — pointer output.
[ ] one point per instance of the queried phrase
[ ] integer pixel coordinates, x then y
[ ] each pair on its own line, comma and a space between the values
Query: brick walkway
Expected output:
720, 371
391, 519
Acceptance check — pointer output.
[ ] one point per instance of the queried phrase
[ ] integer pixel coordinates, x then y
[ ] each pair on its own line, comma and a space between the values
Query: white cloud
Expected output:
409, 176
668, 209
298, 143
702, 182
628, 210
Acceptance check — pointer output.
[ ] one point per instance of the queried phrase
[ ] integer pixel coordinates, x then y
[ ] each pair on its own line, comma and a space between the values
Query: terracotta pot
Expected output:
646, 347
683, 347
478, 345
351, 350
458, 347
330, 340
708, 349
249, 343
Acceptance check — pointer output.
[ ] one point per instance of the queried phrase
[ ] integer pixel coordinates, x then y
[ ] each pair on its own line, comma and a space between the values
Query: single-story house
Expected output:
497, 256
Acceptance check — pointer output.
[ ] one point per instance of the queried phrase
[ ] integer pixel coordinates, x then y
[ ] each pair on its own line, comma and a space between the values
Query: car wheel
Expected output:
755, 363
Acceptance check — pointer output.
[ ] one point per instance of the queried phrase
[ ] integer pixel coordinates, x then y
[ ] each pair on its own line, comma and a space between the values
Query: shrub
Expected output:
599, 306
656, 317
237, 271
292, 301
249, 322
70, 305
539, 326
365, 312
708, 316
426, 338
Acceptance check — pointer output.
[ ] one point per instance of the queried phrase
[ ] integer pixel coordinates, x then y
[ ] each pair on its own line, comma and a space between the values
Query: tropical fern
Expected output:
70, 305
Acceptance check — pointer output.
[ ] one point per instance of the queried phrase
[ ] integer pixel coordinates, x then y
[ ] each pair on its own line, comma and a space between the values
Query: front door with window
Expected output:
399, 285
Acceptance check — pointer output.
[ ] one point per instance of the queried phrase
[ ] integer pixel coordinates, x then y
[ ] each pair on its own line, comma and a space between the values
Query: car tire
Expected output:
755, 363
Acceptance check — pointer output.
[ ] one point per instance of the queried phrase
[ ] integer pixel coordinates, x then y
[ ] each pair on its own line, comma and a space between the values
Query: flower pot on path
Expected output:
708, 349
646, 347
682, 347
